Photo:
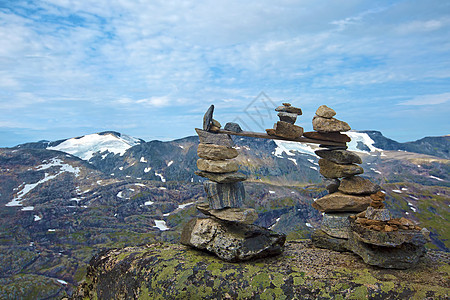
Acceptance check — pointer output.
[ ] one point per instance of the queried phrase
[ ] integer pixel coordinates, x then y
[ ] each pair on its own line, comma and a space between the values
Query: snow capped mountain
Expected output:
84, 147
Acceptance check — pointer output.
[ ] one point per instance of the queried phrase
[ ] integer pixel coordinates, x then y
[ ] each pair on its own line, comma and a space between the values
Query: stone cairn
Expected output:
286, 127
227, 231
354, 215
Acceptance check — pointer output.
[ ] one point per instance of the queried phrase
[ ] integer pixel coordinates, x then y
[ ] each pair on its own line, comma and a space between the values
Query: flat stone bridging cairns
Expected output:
227, 230
354, 215
286, 127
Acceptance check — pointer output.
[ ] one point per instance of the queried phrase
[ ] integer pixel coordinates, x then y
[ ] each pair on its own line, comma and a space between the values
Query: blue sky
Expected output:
150, 69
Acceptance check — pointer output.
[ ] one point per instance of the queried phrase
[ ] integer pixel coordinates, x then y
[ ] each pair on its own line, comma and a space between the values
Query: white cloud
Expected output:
428, 99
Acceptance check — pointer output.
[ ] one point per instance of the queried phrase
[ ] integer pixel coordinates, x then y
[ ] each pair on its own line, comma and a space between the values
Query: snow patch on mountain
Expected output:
289, 147
361, 141
54, 162
84, 147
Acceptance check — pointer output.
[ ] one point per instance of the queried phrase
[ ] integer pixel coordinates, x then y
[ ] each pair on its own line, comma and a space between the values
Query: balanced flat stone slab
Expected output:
330, 169
216, 138
336, 224
339, 202
400, 249
339, 156
243, 215
222, 177
330, 136
216, 152
223, 195
287, 117
287, 107
325, 112
232, 241
329, 125
217, 166
321, 239
357, 185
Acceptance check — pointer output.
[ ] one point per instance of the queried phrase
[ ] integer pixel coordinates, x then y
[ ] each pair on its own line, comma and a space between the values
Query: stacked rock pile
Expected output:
227, 231
369, 233
286, 126
377, 217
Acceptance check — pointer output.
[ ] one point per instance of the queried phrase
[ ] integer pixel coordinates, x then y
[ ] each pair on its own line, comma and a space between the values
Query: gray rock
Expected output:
221, 139
287, 117
216, 152
332, 185
378, 214
207, 118
329, 136
222, 177
325, 112
394, 250
322, 240
336, 224
356, 185
329, 169
329, 125
339, 156
339, 202
222, 195
232, 241
230, 126
289, 109
243, 215
217, 166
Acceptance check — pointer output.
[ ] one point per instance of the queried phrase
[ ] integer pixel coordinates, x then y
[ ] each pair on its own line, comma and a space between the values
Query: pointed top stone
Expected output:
325, 112
207, 118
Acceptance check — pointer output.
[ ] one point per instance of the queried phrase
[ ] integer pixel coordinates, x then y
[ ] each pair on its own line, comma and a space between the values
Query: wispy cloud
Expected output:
99, 61
428, 99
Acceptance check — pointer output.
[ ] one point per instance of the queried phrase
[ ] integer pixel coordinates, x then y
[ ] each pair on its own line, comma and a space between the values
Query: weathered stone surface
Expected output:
230, 126
287, 117
289, 109
322, 240
332, 184
222, 195
329, 125
217, 166
222, 177
397, 249
339, 202
330, 169
232, 241
378, 214
216, 152
243, 215
288, 130
336, 224
356, 185
214, 138
174, 271
207, 118
270, 131
330, 136
339, 156
325, 112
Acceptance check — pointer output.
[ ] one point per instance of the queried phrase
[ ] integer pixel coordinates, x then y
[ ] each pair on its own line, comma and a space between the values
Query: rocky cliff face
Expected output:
162, 271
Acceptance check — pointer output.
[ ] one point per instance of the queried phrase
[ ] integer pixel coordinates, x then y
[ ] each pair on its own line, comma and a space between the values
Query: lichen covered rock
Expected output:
164, 271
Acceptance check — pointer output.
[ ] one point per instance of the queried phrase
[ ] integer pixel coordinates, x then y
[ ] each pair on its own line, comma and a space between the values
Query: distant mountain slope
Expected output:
438, 146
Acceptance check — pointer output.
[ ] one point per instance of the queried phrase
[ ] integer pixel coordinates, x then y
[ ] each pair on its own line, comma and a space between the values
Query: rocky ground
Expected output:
165, 271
